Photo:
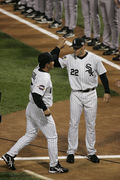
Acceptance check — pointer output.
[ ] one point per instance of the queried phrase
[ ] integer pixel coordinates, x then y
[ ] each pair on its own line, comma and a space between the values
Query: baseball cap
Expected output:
78, 43
45, 58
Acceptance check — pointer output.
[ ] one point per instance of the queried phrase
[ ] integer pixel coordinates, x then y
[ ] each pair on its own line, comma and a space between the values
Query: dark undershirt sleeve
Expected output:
105, 83
56, 51
38, 101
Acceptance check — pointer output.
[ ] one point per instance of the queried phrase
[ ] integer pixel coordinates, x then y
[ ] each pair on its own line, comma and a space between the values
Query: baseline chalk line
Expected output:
63, 157
36, 175
50, 34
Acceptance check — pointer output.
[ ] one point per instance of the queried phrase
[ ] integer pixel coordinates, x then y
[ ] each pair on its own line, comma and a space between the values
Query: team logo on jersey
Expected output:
89, 70
41, 87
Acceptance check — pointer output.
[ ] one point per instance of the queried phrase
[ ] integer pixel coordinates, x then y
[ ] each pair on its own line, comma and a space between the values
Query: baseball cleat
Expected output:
86, 39
116, 58
101, 47
111, 52
94, 42
69, 34
93, 158
55, 24
9, 160
58, 169
63, 30
70, 158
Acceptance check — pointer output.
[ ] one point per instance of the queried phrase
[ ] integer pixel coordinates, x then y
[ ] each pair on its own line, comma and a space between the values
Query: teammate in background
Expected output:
91, 17
38, 114
117, 58
70, 7
83, 69
109, 13
55, 8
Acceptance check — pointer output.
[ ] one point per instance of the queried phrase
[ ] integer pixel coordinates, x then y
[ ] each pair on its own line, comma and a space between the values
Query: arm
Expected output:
56, 51
40, 104
105, 83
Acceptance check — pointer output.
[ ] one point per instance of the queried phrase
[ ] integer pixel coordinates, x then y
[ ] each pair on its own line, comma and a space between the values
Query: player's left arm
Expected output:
105, 83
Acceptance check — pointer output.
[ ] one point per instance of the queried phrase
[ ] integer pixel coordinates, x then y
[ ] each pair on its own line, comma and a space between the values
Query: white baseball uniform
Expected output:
42, 85
83, 76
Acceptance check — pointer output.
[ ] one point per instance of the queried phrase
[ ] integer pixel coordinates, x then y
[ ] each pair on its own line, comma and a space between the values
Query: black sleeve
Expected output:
56, 51
38, 101
105, 83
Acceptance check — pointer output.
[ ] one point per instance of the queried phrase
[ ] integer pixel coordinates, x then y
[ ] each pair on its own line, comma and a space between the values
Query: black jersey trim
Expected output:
82, 57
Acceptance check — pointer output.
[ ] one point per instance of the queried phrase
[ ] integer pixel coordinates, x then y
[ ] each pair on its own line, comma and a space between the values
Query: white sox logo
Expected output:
89, 70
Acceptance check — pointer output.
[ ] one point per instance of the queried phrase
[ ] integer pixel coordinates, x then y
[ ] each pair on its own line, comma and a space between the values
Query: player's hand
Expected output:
117, 3
61, 42
106, 97
47, 112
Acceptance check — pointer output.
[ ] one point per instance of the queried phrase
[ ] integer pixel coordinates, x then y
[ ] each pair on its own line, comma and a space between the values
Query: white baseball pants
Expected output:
36, 120
88, 102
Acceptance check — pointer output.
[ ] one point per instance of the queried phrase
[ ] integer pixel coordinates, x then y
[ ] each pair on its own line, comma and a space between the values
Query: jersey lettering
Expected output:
33, 75
74, 72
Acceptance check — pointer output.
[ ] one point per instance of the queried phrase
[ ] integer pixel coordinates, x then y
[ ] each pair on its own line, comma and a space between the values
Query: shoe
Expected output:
23, 11
116, 58
62, 31
69, 34
45, 20
101, 46
111, 51
70, 158
27, 11
94, 42
19, 7
93, 158
58, 169
31, 15
9, 160
86, 39
38, 16
10, 1
55, 24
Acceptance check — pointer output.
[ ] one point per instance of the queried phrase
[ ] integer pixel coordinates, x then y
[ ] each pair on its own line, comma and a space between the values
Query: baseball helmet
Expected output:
78, 43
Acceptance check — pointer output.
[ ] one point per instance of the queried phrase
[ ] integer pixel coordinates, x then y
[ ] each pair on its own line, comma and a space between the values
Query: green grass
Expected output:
17, 61
16, 176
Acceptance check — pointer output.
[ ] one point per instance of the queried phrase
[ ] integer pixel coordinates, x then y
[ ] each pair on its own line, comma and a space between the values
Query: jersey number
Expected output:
74, 72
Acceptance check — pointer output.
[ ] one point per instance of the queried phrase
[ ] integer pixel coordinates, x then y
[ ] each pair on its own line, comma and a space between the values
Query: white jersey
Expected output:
83, 73
42, 85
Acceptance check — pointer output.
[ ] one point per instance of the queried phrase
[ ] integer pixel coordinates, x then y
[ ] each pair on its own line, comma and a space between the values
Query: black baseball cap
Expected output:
45, 58
78, 43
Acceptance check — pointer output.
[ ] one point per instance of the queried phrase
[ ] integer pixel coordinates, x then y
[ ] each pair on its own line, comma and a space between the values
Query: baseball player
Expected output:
117, 58
83, 69
70, 7
109, 13
91, 16
39, 116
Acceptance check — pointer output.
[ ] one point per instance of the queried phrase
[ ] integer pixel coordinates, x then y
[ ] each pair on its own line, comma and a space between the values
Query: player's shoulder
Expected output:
94, 57
67, 56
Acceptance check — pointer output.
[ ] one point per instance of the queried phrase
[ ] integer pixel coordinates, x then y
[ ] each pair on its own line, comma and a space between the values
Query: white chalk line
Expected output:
64, 157
50, 34
36, 175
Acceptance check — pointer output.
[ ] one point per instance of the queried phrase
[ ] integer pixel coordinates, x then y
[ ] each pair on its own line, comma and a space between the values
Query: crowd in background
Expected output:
51, 12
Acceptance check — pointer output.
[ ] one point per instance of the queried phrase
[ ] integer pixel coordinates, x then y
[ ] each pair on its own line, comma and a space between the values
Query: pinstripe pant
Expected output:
35, 121
110, 19
91, 15
70, 13
88, 102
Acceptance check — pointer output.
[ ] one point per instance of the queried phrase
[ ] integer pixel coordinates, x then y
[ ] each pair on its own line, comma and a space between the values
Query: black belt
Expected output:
86, 90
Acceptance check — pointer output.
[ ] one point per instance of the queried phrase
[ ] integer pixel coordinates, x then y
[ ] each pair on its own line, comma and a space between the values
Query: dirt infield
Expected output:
107, 126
